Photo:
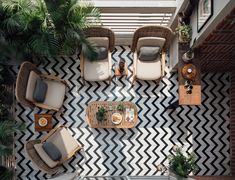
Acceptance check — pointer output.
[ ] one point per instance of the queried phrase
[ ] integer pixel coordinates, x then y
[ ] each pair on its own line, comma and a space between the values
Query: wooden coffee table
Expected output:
48, 127
111, 107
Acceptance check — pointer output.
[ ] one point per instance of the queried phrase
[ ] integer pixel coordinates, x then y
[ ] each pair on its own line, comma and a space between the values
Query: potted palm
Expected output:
180, 165
47, 28
185, 33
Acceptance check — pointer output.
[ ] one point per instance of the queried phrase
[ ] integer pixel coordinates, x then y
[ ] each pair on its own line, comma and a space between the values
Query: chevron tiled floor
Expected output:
203, 129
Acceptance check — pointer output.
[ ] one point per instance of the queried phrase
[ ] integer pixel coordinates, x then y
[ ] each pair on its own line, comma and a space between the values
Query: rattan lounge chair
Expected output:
25, 85
154, 36
62, 139
98, 70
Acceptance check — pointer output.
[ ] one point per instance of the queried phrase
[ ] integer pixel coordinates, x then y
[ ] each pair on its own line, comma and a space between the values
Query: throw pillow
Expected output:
40, 91
148, 53
52, 151
102, 52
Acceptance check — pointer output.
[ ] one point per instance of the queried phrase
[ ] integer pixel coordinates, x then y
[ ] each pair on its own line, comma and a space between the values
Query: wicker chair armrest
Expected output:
22, 81
51, 132
71, 154
44, 106
163, 63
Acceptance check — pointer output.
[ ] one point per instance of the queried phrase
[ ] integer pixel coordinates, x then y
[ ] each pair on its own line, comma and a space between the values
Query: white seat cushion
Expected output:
55, 94
64, 141
44, 156
148, 70
96, 70
31, 85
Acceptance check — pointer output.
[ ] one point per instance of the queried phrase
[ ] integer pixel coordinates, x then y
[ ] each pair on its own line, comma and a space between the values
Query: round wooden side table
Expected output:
189, 71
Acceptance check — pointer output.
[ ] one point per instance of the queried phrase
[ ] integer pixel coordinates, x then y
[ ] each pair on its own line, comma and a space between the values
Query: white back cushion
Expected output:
31, 85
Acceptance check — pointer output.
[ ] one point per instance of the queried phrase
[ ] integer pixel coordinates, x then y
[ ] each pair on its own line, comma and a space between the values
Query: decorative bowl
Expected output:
42, 122
116, 118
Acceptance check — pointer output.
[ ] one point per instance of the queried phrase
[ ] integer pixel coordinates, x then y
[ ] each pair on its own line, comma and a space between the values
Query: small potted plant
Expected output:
180, 165
185, 33
100, 115
120, 107
189, 55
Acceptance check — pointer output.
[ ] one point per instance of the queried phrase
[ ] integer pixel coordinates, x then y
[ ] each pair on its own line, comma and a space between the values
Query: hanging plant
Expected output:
185, 33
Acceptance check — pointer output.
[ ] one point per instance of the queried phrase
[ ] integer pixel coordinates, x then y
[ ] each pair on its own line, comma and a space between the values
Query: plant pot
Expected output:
186, 58
99, 117
172, 176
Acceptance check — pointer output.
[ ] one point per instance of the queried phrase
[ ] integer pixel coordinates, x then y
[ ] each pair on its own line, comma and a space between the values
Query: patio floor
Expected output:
203, 129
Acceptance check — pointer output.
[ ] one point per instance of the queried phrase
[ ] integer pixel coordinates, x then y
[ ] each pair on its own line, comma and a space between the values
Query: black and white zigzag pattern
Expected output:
203, 129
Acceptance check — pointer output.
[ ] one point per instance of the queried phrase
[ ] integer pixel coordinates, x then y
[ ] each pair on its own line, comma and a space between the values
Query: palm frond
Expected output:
44, 44
7, 128
5, 151
83, 14
11, 25
89, 50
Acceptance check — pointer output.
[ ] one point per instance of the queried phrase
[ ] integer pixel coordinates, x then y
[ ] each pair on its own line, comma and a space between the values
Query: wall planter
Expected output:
188, 57
184, 32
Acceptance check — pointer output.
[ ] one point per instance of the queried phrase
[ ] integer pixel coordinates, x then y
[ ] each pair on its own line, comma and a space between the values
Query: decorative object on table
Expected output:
100, 115
185, 33
130, 114
121, 68
204, 13
111, 108
189, 71
180, 165
116, 118
43, 122
122, 65
189, 55
188, 86
120, 107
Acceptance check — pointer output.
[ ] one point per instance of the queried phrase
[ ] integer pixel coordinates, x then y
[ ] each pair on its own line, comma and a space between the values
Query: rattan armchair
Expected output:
22, 83
98, 70
149, 36
64, 141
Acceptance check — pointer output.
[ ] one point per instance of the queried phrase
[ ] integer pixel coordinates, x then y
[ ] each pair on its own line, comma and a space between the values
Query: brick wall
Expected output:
217, 52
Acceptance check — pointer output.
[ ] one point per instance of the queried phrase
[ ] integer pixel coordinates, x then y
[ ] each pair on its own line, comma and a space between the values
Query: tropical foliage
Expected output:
7, 130
185, 32
182, 165
46, 28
